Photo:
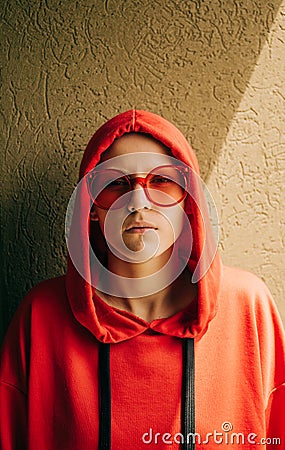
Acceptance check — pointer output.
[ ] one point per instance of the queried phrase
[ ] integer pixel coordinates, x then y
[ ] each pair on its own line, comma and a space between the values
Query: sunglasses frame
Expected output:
139, 180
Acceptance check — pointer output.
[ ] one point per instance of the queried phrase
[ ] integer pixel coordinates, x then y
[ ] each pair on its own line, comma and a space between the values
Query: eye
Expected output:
161, 179
119, 182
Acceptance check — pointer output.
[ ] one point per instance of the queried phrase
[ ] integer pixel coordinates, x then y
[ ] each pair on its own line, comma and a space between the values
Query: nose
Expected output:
138, 199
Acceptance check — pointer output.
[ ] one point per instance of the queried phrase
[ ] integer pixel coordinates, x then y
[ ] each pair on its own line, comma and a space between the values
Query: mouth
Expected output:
139, 227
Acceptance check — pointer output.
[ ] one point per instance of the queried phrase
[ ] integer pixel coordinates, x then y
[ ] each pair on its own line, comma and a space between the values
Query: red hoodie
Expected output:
49, 378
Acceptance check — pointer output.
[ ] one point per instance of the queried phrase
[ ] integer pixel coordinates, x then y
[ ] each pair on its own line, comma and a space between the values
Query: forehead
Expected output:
135, 152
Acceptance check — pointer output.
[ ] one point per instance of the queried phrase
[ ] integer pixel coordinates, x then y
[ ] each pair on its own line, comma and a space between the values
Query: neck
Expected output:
150, 299
139, 270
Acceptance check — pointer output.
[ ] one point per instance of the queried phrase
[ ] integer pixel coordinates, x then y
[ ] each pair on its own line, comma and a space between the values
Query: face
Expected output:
138, 229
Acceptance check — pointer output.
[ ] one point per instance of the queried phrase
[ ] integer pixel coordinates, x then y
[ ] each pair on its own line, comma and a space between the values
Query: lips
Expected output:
139, 227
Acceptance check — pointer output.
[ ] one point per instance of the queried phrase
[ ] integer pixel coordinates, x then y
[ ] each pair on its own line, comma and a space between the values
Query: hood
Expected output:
108, 324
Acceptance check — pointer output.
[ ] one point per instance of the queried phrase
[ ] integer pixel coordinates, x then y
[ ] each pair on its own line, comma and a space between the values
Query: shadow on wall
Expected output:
68, 67
34, 244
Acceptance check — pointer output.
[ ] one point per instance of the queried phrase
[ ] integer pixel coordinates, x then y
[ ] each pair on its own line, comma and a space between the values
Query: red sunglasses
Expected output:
164, 186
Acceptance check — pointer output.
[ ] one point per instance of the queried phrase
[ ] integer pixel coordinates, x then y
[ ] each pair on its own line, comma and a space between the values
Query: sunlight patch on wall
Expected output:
248, 180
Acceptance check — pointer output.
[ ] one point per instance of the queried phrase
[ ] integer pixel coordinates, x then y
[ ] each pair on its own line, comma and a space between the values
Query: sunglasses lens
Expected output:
107, 186
166, 185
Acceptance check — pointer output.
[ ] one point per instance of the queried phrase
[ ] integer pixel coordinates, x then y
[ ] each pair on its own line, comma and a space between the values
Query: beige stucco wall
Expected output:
248, 180
214, 68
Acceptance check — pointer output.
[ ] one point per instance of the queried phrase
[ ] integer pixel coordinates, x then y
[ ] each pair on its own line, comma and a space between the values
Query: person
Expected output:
148, 341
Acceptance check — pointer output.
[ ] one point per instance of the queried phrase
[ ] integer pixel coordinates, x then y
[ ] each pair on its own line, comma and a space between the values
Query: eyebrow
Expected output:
127, 172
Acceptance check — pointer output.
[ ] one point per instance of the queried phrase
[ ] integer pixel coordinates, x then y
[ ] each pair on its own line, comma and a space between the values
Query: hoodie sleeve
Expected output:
12, 418
14, 365
275, 415
272, 354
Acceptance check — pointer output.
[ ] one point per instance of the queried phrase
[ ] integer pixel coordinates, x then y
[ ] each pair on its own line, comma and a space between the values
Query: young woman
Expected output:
148, 341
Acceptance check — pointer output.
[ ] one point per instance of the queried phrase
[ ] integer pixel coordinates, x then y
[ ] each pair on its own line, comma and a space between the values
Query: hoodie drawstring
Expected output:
105, 397
188, 395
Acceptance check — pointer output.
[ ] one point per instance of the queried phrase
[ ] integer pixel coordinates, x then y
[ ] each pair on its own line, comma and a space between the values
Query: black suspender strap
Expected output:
105, 397
188, 395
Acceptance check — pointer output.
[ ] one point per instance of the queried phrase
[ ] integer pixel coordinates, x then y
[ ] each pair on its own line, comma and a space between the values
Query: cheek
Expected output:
110, 222
174, 220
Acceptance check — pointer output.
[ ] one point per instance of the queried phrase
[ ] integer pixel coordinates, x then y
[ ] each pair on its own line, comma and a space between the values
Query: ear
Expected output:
93, 214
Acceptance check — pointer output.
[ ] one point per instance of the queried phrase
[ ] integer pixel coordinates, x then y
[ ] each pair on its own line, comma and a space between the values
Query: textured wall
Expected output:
213, 67
248, 179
